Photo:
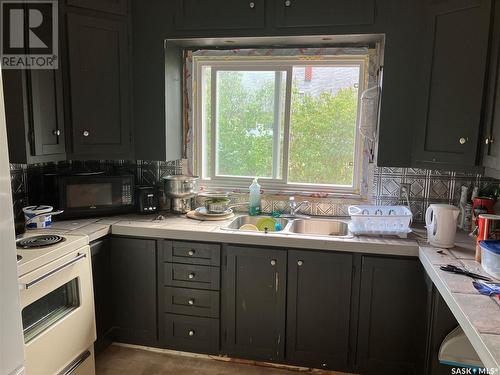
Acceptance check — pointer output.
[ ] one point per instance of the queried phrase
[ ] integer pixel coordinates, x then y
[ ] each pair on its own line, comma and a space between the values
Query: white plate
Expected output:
204, 212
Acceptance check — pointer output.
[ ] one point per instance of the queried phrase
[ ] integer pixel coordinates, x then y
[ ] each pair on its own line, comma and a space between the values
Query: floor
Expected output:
119, 360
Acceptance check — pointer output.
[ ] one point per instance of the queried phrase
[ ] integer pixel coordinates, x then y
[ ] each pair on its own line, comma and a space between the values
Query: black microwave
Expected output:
89, 194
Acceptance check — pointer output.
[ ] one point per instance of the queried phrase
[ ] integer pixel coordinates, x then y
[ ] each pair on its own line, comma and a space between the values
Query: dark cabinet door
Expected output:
455, 45
253, 303
392, 316
219, 14
47, 115
133, 270
491, 139
442, 322
310, 13
101, 278
34, 112
318, 309
110, 6
99, 80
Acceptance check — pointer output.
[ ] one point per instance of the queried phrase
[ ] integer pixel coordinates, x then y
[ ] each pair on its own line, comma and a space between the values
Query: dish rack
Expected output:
380, 220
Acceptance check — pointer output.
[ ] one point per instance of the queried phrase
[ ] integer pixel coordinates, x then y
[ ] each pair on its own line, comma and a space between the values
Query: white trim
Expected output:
275, 63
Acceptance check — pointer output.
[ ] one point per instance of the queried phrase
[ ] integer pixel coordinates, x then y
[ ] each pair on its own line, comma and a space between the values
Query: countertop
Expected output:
478, 315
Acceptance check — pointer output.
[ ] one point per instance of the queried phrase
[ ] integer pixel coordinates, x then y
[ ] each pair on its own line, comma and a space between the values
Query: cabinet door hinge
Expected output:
276, 281
225, 261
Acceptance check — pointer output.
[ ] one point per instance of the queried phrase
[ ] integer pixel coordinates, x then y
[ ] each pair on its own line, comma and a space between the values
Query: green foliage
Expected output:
322, 132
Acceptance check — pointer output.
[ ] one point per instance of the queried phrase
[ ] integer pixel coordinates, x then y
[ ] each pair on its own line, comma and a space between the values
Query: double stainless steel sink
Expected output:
297, 225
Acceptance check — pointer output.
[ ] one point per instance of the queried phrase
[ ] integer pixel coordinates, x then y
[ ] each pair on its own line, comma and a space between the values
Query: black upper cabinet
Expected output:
35, 115
318, 309
491, 139
134, 281
219, 14
312, 13
392, 316
454, 66
253, 303
99, 76
34, 112
110, 6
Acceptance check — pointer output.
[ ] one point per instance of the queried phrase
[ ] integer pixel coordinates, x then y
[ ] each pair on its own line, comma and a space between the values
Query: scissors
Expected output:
461, 271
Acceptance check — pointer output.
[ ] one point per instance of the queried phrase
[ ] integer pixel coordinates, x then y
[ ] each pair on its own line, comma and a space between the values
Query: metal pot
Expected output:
180, 186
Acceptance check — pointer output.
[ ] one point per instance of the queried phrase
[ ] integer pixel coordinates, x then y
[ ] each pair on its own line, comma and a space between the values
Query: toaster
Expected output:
147, 198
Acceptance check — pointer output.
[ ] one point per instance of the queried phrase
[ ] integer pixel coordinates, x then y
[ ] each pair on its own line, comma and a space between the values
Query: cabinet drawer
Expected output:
183, 301
188, 333
191, 276
191, 253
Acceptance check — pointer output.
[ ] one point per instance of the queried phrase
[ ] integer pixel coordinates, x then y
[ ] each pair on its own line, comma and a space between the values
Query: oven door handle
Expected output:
75, 364
54, 271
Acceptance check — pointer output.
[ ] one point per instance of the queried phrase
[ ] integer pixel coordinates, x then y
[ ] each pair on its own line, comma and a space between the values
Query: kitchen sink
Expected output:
247, 219
321, 227
309, 226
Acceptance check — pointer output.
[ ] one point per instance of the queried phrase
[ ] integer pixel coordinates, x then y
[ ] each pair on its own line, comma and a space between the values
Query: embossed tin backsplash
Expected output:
426, 186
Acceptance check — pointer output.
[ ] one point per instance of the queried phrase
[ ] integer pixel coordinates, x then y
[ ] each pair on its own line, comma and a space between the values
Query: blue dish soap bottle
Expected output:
254, 201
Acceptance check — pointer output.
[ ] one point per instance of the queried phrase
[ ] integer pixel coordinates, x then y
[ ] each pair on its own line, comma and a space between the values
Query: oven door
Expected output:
57, 308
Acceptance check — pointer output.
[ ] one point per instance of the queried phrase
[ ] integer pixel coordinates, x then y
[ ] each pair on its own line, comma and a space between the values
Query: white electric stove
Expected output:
57, 303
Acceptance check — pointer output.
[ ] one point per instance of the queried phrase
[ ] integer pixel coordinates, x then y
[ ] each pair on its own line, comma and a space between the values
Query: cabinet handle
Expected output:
191, 253
251, 5
299, 263
273, 262
56, 132
191, 275
191, 333
489, 140
191, 301
288, 3
463, 140
86, 133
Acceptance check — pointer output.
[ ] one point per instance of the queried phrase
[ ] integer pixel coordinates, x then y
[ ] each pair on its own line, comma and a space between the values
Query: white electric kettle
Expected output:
441, 224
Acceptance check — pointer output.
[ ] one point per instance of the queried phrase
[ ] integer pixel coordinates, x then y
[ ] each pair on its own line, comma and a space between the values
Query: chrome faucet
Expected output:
294, 208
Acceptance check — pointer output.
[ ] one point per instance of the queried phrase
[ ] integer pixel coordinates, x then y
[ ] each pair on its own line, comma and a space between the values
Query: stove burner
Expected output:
19, 257
38, 241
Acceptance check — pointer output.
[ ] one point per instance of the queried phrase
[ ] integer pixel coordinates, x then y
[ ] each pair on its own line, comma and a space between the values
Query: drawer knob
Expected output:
191, 275
191, 333
273, 262
191, 253
462, 140
252, 5
288, 3
299, 263
191, 301
86, 133
56, 132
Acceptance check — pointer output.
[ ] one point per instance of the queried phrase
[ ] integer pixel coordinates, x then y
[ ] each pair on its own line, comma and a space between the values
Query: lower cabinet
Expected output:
392, 316
339, 311
442, 322
133, 274
101, 279
253, 302
319, 309
189, 297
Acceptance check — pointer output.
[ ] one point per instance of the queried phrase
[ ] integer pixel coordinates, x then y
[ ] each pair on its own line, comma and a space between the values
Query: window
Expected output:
291, 122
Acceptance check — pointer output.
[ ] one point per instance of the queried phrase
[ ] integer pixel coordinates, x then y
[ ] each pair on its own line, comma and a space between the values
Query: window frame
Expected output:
274, 63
